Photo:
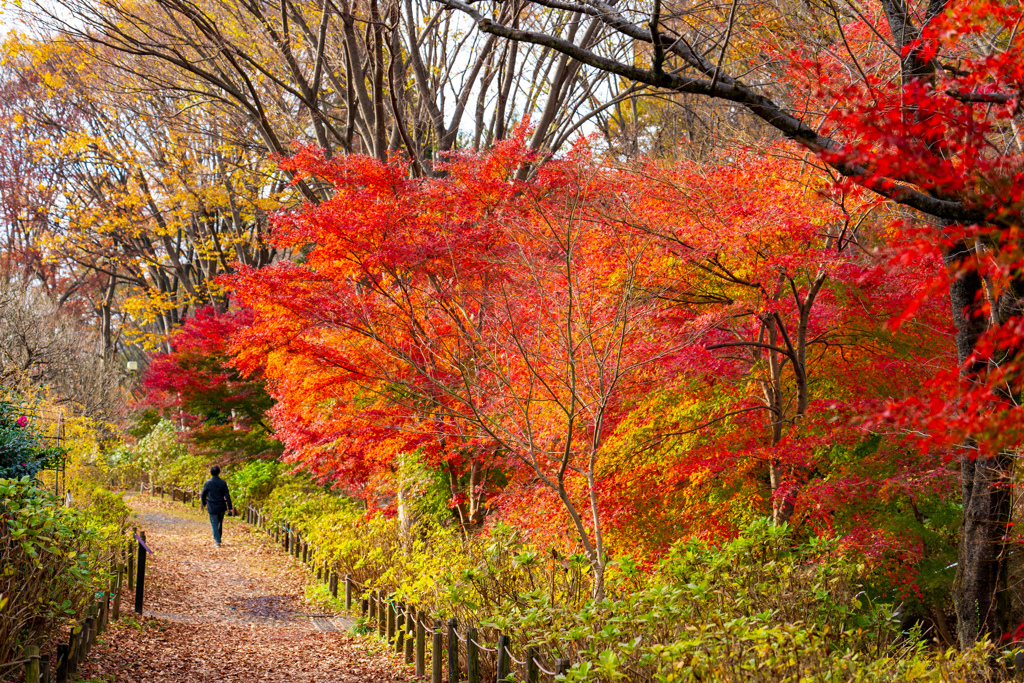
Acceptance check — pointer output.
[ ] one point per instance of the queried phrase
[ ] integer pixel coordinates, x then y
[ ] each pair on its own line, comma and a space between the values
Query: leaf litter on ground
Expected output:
234, 614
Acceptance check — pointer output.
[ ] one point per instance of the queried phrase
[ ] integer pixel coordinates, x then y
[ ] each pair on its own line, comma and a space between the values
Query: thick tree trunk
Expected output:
979, 587
979, 590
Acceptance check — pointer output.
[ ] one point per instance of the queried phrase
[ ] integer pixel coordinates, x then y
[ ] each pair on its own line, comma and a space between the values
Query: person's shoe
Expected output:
217, 544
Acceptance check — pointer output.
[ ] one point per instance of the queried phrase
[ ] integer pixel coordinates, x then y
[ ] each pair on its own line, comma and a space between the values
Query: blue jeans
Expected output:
217, 522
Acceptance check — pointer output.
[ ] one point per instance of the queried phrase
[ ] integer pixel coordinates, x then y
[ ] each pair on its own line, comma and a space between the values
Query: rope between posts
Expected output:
482, 647
542, 669
459, 637
509, 653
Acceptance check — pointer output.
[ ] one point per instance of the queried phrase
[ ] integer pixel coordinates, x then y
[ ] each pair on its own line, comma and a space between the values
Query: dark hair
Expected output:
215, 470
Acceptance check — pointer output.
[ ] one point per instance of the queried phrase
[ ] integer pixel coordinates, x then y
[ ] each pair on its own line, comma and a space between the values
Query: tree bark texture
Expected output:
979, 587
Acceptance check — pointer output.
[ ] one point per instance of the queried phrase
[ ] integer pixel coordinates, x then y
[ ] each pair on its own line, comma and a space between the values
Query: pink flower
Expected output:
22, 421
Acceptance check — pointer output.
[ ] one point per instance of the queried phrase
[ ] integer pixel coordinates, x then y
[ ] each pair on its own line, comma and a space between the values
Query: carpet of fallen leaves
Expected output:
233, 614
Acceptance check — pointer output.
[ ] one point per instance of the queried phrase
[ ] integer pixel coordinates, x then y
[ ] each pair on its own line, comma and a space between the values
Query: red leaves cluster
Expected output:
195, 384
483, 316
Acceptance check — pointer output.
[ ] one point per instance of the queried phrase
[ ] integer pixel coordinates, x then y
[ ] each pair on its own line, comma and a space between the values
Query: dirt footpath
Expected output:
234, 614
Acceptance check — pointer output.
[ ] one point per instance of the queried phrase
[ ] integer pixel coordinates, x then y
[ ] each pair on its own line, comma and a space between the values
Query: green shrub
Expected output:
255, 480
105, 511
188, 471
159, 451
23, 452
123, 470
53, 559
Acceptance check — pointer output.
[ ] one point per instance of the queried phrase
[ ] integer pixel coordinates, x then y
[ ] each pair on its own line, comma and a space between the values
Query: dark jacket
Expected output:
215, 496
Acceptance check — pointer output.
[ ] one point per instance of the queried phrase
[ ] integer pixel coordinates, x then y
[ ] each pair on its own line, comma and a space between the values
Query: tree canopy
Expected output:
615, 274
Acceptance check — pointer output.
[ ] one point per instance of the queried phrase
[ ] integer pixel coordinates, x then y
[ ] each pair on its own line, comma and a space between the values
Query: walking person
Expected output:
217, 501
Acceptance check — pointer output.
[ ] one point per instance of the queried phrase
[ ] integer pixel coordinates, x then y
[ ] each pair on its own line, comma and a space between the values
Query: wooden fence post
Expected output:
410, 633
348, 592
32, 665
436, 655
364, 607
373, 607
118, 581
334, 584
421, 645
453, 651
562, 666
104, 616
87, 635
94, 629
62, 663
391, 618
83, 642
532, 671
44, 668
130, 554
140, 579
503, 654
399, 627
472, 656
73, 642
382, 617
